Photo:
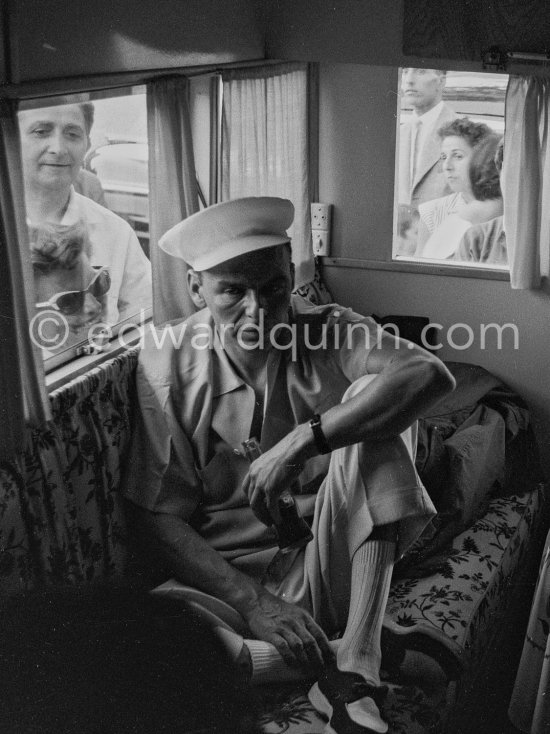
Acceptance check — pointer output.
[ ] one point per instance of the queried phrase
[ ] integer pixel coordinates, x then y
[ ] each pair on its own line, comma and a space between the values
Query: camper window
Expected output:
84, 166
448, 203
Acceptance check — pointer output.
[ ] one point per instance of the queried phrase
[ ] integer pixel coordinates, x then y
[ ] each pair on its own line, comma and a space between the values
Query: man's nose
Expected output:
447, 164
56, 143
409, 78
252, 304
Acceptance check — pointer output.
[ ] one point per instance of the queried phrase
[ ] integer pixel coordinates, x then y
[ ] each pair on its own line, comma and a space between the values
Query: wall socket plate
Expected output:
321, 216
321, 242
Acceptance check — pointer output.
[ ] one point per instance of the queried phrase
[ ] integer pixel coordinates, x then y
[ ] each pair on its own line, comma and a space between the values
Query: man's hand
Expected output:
276, 470
269, 475
297, 637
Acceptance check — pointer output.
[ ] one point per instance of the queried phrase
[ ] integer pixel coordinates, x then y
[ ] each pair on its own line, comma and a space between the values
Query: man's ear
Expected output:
194, 285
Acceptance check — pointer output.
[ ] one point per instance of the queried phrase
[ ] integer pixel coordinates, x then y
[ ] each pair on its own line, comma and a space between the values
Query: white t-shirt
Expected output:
114, 245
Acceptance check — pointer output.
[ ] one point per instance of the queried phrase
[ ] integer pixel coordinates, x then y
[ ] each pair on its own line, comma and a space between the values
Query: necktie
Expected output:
415, 135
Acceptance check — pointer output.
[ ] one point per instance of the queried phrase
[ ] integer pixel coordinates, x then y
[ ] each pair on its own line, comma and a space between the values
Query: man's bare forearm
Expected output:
406, 382
297, 637
195, 563
402, 390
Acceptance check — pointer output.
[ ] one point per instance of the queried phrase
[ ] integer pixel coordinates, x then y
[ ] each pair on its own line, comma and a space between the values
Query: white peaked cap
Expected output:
230, 229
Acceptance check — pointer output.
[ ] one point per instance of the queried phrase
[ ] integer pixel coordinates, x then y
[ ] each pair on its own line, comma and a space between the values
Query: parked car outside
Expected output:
122, 168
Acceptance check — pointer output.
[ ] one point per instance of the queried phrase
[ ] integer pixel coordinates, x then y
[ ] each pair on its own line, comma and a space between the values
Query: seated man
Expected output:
332, 400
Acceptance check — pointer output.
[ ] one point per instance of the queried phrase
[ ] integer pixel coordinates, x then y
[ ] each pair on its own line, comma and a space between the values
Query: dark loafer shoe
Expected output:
339, 696
421, 637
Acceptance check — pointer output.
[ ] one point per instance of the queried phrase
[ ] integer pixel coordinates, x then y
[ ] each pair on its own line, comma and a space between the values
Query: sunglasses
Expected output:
69, 302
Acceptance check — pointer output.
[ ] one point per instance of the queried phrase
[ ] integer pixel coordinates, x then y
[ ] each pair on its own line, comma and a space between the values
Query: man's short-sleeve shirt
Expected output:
195, 411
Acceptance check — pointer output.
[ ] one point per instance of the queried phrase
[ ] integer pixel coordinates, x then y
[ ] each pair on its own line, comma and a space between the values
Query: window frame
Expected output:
84, 348
412, 264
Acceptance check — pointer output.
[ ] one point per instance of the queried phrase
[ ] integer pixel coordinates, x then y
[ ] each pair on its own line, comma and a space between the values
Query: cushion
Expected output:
468, 443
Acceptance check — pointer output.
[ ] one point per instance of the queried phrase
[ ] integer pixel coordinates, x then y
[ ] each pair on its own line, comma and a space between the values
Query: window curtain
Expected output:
173, 190
265, 146
23, 397
61, 512
526, 180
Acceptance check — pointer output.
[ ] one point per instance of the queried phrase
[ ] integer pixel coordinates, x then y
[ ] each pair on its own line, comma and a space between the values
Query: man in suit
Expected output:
420, 174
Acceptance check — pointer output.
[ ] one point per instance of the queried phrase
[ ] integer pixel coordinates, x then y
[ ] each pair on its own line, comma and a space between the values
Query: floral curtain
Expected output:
61, 517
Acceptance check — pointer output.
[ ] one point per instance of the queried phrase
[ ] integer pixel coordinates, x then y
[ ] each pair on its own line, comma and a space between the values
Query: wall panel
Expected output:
356, 174
464, 29
56, 38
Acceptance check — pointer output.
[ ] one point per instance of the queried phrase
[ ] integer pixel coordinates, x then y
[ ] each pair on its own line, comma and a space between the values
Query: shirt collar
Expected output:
224, 377
429, 118
72, 213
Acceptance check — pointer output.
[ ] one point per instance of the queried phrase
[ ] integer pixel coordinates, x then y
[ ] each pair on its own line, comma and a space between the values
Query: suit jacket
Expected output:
429, 182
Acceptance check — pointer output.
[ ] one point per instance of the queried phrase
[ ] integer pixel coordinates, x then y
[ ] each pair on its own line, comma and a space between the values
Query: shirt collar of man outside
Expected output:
429, 118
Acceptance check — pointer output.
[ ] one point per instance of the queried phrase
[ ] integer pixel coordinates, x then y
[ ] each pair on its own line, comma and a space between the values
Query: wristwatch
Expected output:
318, 435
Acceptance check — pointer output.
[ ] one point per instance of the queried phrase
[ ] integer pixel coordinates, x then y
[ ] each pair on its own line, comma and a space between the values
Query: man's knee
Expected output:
408, 437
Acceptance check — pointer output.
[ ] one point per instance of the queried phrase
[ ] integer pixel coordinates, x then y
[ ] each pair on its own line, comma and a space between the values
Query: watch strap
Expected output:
318, 436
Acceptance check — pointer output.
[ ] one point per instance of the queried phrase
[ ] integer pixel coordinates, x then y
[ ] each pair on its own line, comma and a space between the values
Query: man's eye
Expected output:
40, 132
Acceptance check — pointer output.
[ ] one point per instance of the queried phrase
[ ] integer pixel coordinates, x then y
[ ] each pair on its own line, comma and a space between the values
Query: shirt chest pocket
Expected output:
222, 478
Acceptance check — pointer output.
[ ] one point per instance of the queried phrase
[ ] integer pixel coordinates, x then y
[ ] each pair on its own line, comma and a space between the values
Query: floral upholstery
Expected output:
60, 511
467, 600
316, 290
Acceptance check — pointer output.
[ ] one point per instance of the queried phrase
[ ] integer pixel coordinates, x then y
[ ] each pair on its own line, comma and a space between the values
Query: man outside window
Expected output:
332, 400
54, 141
420, 175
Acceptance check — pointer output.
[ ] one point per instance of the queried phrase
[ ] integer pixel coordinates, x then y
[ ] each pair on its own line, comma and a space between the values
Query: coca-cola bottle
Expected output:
293, 531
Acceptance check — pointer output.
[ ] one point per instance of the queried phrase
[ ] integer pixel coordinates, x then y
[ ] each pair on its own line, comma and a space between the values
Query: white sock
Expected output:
267, 665
371, 570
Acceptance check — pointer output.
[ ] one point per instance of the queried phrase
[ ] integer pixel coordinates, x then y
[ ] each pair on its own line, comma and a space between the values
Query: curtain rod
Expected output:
114, 80
528, 56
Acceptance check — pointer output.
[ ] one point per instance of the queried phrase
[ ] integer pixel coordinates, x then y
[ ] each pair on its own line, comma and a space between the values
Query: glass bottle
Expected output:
293, 531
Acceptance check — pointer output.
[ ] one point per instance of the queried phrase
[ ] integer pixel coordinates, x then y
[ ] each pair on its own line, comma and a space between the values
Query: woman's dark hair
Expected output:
58, 246
483, 171
462, 127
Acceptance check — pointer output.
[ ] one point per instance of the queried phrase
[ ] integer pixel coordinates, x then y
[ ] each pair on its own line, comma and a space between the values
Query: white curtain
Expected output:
265, 146
173, 190
23, 396
526, 180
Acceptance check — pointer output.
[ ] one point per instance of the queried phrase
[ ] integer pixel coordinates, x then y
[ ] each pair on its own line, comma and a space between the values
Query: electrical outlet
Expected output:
321, 216
321, 242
